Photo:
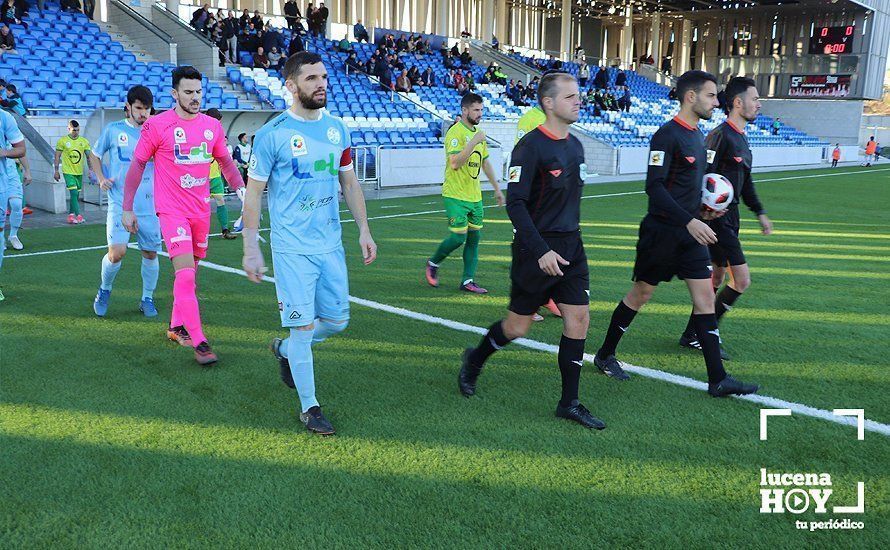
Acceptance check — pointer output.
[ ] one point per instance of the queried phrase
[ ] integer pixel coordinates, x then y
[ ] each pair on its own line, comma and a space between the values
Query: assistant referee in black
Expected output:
544, 204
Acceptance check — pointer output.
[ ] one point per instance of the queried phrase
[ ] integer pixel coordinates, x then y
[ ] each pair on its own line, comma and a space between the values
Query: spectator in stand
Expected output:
650, 60
322, 20
455, 51
390, 42
666, 65
296, 44
471, 81
625, 101
244, 20
499, 76
13, 101
494, 42
277, 59
292, 14
554, 64
519, 95
386, 78
248, 42
352, 64
583, 74
7, 41
212, 30
580, 55
344, 46
403, 83
428, 78
260, 61
458, 81
257, 20
465, 57
601, 80
359, 32
68, 5
414, 75
672, 94
621, 78
776, 125
401, 44
488, 76
465, 34
427, 46
396, 63
511, 89
200, 17
230, 30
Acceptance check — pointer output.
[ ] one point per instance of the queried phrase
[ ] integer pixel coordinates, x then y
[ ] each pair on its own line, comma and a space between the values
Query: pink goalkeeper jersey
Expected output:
183, 151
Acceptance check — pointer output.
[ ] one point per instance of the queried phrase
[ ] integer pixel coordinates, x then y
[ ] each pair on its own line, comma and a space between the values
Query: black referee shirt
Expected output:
677, 164
730, 156
544, 187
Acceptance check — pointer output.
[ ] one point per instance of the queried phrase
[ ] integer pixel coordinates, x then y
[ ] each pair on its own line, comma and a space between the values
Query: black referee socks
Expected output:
621, 319
709, 338
724, 300
571, 357
494, 340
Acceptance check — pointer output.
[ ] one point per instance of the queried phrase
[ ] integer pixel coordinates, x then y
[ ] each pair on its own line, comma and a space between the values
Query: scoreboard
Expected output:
832, 40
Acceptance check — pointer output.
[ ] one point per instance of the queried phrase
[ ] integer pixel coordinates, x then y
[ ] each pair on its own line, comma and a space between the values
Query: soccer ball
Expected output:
716, 192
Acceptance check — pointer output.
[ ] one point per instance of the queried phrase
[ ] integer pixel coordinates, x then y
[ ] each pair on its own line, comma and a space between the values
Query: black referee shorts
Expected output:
665, 251
531, 287
728, 250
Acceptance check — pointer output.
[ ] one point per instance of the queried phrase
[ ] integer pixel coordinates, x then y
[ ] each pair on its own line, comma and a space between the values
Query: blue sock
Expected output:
325, 329
109, 272
150, 269
299, 354
15, 216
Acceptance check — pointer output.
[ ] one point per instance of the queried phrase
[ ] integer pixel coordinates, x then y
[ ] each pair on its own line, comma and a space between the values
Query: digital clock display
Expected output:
832, 40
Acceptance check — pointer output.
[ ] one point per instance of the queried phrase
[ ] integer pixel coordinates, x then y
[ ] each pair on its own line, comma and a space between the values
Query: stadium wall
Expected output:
633, 160
875, 125
404, 167
836, 121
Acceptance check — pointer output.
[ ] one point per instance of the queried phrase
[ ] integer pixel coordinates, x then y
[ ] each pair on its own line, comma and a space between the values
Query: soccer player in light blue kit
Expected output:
119, 140
15, 195
9, 134
304, 157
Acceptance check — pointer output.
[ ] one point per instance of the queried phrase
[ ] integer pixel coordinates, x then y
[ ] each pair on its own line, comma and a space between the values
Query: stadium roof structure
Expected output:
613, 8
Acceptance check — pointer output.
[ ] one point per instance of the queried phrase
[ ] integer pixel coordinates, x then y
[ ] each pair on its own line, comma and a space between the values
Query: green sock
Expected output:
74, 207
471, 254
449, 245
223, 214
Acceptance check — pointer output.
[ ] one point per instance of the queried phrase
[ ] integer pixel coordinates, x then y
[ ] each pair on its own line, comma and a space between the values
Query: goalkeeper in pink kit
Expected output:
183, 143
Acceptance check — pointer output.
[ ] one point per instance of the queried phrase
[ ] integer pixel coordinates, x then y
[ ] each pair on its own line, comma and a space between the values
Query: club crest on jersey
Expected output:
123, 139
68, 144
711, 155
208, 135
514, 174
194, 155
334, 135
298, 146
656, 158
179, 135
454, 142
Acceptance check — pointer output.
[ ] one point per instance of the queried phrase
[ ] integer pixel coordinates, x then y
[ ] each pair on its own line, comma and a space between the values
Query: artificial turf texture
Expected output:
111, 436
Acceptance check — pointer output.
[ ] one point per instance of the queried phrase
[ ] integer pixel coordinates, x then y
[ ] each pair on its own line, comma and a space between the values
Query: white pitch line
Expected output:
765, 400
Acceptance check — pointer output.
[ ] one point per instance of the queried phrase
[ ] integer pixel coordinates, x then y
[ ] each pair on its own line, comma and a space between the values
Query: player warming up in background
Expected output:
466, 156
183, 143
303, 155
71, 150
119, 140
673, 241
14, 142
544, 204
730, 156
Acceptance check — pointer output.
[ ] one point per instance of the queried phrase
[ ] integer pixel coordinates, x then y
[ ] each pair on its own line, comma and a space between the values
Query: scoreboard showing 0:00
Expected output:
832, 40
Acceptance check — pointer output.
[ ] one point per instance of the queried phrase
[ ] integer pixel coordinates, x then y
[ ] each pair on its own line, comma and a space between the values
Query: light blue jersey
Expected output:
119, 140
9, 134
301, 160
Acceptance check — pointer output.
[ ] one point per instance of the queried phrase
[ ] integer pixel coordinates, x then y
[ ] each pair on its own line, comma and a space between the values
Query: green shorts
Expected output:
217, 187
73, 181
463, 214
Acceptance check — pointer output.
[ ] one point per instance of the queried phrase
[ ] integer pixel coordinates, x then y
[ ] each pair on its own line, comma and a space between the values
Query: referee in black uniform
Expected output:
544, 204
730, 156
673, 240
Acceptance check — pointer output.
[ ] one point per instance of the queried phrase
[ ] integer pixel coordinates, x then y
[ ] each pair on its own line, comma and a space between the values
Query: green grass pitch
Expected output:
110, 436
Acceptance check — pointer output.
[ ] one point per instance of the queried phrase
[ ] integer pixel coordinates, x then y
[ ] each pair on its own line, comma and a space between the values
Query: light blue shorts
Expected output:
13, 187
148, 235
311, 287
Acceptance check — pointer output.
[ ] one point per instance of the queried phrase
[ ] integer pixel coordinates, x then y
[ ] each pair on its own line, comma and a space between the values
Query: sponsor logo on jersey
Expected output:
188, 181
656, 158
195, 155
334, 135
514, 174
179, 135
308, 203
712, 154
123, 139
298, 146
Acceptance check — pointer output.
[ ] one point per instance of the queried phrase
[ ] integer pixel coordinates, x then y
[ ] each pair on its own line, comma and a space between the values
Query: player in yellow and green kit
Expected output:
218, 188
71, 150
466, 156
533, 118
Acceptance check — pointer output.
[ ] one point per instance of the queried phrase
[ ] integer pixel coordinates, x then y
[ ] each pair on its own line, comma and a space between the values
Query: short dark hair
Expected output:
241, 135
186, 72
295, 63
141, 94
213, 113
12, 89
73, 124
693, 80
470, 99
736, 87
547, 87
